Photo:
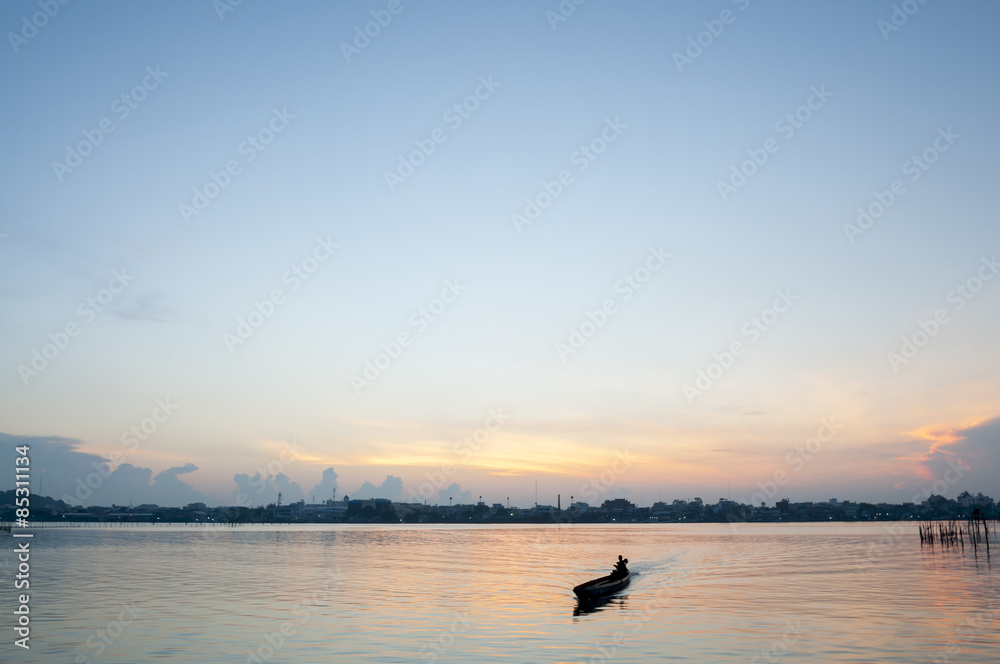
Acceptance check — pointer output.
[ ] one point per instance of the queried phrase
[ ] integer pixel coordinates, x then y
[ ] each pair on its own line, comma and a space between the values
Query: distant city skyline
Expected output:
935, 506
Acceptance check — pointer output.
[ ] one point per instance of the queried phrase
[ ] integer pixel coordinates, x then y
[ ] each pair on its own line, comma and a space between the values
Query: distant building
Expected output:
726, 506
768, 514
370, 509
291, 511
966, 499
328, 510
618, 508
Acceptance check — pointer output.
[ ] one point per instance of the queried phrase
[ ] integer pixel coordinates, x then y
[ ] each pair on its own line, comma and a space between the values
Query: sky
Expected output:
449, 250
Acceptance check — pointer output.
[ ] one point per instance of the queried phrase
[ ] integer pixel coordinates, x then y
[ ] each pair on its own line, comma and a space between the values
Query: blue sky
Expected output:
552, 90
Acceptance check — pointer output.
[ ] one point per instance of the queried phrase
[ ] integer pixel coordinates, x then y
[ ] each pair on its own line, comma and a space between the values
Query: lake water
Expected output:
767, 593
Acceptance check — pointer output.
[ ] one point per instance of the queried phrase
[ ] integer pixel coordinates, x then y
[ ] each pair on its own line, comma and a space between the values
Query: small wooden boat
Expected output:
602, 587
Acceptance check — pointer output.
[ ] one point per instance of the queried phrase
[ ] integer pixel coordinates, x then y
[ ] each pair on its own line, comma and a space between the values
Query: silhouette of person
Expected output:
620, 567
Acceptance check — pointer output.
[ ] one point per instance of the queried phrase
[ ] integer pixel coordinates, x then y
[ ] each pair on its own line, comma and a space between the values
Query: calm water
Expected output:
786, 593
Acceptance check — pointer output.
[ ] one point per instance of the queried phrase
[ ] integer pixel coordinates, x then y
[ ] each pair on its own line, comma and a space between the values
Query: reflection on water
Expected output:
798, 592
583, 607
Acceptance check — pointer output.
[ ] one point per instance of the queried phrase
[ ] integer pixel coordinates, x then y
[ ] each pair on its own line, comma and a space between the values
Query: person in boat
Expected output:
620, 568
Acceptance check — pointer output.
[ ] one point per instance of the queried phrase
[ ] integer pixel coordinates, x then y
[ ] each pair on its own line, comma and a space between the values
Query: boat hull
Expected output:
602, 587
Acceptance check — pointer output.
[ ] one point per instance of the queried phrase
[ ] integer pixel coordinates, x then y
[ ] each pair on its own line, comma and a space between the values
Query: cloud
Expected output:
80, 478
455, 492
391, 488
976, 447
257, 490
54, 455
167, 486
326, 487
157, 307
253, 491
291, 492
134, 485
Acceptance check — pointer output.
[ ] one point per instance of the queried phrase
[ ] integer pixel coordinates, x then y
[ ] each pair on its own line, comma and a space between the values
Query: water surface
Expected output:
701, 593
